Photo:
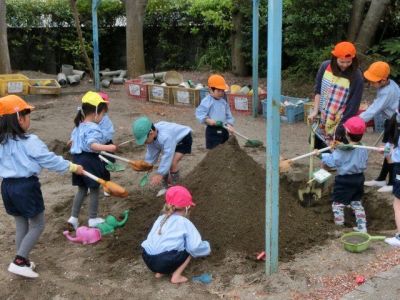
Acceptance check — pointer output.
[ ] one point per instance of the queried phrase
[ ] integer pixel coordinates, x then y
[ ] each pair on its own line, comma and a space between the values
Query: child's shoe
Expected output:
386, 189
73, 223
375, 183
106, 194
24, 270
95, 221
393, 241
161, 192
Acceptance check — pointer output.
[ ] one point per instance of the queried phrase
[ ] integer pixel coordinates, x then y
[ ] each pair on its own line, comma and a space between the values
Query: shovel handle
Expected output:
105, 160
237, 133
367, 147
126, 142
91, 176
115, 156
310, 154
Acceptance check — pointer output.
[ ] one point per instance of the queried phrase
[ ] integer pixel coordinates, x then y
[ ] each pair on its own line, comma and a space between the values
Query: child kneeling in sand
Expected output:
349, 181
173, 239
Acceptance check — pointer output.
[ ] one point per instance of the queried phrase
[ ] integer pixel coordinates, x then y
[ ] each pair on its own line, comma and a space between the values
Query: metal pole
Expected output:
95, 4
256, 4
273, 135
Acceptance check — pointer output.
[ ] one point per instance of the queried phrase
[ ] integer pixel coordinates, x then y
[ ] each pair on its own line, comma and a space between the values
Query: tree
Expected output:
5, 66
362, 31
135, 13
238, 63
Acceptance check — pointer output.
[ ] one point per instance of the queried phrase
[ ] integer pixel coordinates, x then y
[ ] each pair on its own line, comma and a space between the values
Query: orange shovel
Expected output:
137, 165
110, 187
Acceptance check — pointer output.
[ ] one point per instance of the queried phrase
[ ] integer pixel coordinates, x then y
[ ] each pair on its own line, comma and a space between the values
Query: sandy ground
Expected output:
71, 271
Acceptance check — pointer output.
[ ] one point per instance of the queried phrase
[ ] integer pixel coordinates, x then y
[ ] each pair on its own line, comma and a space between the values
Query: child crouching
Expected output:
349, 183
173, 239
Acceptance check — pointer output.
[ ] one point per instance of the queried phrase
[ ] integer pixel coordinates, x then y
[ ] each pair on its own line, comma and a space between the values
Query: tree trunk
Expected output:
368, 29
357, 14
80, 36
135, 13
5, 66
238, 65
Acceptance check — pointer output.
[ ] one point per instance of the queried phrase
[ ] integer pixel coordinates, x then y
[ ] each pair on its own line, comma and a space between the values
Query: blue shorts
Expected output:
166, 262
215, 136
90, 162
396, 184
185, 145
22, 196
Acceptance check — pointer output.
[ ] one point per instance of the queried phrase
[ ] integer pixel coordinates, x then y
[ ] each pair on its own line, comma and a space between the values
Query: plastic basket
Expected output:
137, 89
160, 94
379, 122
185, 97
243, 104
14, 84
44, 87
294, 112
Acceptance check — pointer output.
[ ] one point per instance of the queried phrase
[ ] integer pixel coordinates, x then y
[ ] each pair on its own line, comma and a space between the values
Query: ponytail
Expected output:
168, 210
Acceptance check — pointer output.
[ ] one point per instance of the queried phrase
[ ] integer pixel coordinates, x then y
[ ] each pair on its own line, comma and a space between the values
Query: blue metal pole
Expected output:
256, 4
273, 135
95, 4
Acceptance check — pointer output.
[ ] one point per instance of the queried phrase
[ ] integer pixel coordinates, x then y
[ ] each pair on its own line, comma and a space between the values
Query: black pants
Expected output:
386, 167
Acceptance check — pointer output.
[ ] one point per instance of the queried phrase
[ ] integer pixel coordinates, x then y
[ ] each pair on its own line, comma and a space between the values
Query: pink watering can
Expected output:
84, 235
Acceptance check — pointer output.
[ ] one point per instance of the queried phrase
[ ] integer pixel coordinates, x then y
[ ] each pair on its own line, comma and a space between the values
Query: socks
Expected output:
21, 261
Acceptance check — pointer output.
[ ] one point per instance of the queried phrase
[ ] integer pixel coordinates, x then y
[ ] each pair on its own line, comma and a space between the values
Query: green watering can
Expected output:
111, 223
358, 242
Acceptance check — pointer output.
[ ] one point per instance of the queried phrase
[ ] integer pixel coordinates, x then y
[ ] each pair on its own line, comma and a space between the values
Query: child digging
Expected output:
349, 183
215, 112
173, 140
22, 157
87, 141
173, 239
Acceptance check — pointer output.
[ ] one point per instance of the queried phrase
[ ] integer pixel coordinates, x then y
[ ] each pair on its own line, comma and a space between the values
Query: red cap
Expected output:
179, 196
344, 50
355, 125
104, 96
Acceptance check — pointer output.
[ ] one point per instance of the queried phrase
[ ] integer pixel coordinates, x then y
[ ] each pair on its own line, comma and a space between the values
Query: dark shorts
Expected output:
185, 145
396, 184
22, 196
166, 262
348, 188
91, 163
215, 136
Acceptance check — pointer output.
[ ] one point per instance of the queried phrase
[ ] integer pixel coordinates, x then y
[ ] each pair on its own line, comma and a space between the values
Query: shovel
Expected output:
109, 186
285, 165
249, 142
137, 165
112, 167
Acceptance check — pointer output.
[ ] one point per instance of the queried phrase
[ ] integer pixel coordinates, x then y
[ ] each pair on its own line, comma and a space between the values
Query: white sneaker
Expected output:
32, 265
73, 222
386, 189
106, 194
95, 221
393, 241
161, 192
25, 271
375, 183
364, 230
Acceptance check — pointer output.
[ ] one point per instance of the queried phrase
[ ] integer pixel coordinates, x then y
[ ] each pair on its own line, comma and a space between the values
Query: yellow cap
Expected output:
92, 98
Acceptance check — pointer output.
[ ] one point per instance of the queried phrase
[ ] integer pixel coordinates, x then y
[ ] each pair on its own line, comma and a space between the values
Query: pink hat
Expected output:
355, 125
179, 196
104, 96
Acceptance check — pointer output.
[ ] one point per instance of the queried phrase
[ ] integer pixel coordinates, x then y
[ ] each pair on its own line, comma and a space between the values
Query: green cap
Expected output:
140, 129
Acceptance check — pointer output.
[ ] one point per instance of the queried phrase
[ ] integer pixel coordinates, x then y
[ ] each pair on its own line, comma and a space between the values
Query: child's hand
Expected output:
74, 168
69, 144
79, 170
113, 148
230, 128
211, 122
156, 179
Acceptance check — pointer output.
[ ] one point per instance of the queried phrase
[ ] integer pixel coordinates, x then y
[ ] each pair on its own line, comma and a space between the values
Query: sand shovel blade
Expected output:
253, 143
144, 180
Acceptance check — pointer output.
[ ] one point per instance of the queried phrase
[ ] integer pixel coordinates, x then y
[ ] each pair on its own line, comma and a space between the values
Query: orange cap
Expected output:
218, 82
377, 71
12, 104
344, 50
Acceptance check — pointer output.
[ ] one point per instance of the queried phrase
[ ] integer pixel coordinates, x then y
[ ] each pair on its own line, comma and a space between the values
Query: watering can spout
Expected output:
71, 238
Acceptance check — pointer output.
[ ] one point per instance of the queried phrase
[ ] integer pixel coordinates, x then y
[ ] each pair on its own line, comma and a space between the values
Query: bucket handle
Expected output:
377, 237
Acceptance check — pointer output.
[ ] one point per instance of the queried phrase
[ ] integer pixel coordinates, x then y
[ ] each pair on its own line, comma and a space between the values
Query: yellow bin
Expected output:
13, 84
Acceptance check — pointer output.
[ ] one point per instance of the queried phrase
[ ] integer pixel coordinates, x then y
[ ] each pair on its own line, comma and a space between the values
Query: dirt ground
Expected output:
228, 183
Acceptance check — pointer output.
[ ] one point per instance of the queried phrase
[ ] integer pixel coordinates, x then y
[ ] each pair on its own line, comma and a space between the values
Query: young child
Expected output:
173, 239
22, 157
349, 181
173, 140
107, 129
394, 157
87, 141
386, 102
214, 111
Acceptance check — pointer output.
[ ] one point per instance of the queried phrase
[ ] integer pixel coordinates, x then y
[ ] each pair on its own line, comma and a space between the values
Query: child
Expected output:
22, 157
214, 111
386, 102
107, 129
173, 239
87, 141
394, 158
349, 183
174, 140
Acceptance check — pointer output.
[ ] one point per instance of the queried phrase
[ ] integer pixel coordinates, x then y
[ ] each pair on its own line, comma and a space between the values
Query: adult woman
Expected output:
338, 91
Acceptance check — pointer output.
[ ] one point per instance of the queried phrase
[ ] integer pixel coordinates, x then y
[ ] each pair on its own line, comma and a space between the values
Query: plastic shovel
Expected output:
110, 187
249, 142
285, 165
112, 167
137, 165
